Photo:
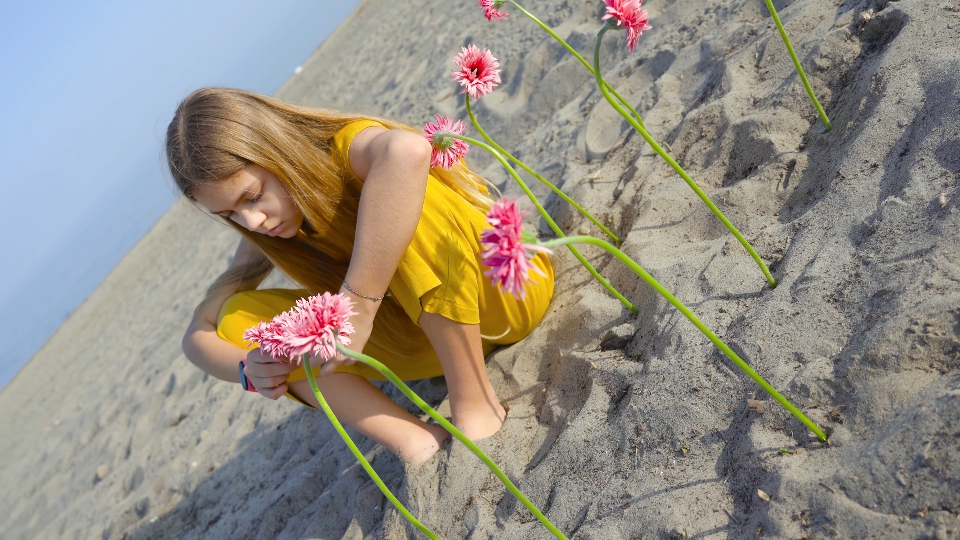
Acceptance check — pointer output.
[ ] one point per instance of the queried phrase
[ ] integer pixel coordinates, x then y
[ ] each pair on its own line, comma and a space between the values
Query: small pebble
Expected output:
102, 472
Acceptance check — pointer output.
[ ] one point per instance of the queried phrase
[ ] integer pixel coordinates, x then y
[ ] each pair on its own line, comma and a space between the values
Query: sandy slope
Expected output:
621, 426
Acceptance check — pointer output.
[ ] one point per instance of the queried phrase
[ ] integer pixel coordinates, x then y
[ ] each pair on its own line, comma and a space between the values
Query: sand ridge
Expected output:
621, 426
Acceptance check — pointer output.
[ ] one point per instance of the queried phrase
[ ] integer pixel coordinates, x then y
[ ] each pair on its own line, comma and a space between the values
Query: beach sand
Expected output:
621, 426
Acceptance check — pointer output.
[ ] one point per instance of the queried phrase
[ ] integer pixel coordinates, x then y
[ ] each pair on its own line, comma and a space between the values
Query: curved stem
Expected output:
356, 452
796, 63
676, 167
386, 372
533, 173
696, 321
546, 216
578, 57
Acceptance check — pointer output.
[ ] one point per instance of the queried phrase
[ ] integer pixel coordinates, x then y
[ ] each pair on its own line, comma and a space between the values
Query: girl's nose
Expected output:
250, 219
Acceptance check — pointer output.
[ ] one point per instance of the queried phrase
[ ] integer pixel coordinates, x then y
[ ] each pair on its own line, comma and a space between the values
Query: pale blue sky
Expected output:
87, 90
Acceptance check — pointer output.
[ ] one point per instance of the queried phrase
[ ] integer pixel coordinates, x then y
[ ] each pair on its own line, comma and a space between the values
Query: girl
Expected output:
343, 203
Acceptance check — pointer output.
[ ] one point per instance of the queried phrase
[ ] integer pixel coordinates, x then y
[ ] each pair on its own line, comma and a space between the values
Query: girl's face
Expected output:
255, 199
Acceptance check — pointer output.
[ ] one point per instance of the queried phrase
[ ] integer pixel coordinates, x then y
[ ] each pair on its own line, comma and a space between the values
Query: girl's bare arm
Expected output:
393, 165
201, 344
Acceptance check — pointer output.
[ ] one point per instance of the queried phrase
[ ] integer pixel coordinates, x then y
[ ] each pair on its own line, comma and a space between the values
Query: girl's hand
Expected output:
268, 376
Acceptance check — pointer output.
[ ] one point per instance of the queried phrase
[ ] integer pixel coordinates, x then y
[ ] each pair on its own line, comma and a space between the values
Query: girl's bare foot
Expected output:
482, 423
419, 451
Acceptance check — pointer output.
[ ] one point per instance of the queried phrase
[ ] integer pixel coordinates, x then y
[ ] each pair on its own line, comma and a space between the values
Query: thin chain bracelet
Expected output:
374, 298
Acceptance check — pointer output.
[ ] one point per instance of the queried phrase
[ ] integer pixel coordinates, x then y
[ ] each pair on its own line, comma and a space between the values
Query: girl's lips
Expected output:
275, 231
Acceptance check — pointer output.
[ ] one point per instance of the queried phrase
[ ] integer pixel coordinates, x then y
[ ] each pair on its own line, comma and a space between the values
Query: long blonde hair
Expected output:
216, 132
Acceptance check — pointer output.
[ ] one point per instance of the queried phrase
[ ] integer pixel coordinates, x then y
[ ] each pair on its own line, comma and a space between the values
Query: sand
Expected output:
622, 426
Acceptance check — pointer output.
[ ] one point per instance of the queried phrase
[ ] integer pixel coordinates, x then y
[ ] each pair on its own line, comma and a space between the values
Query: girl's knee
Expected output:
247, 309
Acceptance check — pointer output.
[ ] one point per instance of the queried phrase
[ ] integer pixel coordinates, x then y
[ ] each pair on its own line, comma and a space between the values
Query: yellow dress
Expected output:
440, 272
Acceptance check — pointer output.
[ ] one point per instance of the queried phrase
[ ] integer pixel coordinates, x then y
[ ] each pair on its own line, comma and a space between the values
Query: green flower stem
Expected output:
537, 176
693, 318
676, 167
386, 372
796, 62
356, 452
578, 57
546, 216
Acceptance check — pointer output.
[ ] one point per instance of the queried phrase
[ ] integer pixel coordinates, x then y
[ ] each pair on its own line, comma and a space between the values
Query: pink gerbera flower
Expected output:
505, 251
319, 322
629, 15
478, 73
446, 150
313, 327
267, 336
490, 8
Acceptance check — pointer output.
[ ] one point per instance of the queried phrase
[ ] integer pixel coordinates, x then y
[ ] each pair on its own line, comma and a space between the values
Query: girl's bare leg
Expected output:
365, 408
473, 401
